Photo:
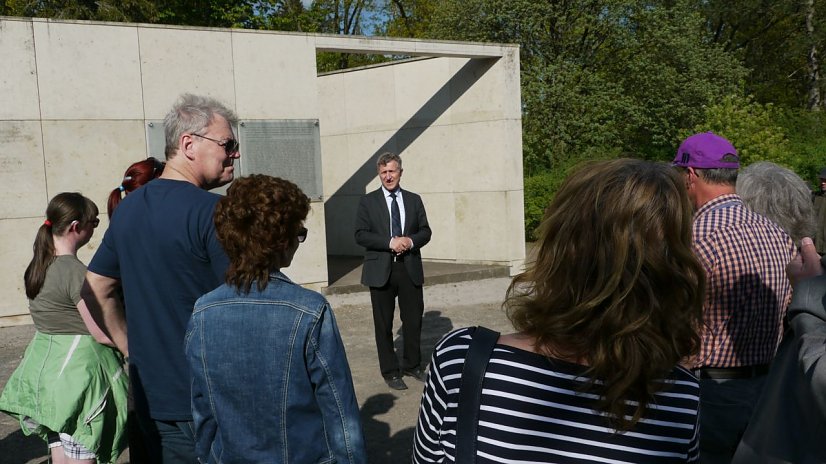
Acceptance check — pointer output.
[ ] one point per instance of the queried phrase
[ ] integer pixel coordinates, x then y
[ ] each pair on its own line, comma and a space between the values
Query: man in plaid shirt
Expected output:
745, 257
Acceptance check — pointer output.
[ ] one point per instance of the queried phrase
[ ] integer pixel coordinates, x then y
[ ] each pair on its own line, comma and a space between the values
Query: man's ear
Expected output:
186, 144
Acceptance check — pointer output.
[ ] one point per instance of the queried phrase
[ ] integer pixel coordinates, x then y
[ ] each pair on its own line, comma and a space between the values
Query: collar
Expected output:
722, 199
388, 192
278, 275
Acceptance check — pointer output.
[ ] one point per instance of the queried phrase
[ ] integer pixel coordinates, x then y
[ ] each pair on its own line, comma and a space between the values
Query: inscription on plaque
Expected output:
290, 149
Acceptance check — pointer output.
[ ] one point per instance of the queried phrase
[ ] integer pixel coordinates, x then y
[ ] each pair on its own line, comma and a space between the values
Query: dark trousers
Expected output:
725, 409
168, 442
164, 442
411, 307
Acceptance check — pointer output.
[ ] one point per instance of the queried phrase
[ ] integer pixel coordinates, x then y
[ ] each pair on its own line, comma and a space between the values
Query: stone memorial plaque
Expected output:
289, 148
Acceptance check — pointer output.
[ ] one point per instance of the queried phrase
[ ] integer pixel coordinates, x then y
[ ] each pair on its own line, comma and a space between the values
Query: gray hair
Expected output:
780, 195
192, 114
724, 176
387, 157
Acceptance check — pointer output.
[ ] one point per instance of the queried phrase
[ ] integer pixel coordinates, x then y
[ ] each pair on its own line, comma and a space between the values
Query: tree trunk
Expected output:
814, 102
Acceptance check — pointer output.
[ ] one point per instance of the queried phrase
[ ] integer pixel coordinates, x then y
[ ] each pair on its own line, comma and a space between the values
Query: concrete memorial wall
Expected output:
76, 99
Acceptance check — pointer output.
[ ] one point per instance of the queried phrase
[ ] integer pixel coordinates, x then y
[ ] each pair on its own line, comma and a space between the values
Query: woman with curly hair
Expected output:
270, 379
603, 318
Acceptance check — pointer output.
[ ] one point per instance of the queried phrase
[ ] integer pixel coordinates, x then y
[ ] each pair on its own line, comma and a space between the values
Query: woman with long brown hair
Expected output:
68, 388
603, 317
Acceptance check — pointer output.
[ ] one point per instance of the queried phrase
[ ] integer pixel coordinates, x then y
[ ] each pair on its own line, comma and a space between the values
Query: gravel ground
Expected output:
388, 416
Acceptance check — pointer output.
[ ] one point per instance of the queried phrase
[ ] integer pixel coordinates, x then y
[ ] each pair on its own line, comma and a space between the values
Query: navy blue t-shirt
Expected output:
161, 244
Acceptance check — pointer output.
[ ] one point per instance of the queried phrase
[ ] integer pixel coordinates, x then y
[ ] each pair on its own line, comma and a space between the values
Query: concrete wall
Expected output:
456, 123
74, 98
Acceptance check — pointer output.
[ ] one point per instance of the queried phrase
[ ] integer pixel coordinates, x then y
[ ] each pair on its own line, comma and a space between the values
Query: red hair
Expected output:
138, 174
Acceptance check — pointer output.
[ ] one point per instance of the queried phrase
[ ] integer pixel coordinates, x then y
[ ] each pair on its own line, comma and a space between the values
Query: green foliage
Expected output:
407, 18
806, 133
539, 189
600, 76
771, 40
794, 138
751, 127
123, 10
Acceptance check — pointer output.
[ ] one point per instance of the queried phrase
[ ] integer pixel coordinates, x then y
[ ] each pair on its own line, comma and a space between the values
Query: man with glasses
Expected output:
161, 250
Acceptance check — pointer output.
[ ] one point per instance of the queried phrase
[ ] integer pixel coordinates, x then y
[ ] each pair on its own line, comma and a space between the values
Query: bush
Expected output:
806, 132
794, 138
541, 188
751, 127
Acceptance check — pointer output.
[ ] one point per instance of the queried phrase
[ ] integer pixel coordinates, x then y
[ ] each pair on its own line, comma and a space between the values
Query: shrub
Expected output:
751, 127
541, 188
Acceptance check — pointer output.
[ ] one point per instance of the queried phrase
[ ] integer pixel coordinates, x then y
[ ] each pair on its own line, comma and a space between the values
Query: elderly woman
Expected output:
270, 379
780, 195
603, 318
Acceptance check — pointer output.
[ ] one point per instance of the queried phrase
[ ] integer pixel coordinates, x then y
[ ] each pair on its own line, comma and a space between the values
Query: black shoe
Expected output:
396, 383
417, 373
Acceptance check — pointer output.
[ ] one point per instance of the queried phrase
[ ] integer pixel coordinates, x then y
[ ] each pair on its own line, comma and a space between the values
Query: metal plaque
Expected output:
288, 148
155, 140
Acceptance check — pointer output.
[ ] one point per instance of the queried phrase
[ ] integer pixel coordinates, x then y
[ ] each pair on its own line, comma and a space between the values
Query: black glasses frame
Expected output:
230, 146
302, 234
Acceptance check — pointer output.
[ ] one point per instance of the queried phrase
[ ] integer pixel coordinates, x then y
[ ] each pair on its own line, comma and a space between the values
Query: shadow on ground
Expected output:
25, 448
434, 327
381, 446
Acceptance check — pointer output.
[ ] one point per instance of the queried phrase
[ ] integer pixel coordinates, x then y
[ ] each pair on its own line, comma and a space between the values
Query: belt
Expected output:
729, 373
398, 258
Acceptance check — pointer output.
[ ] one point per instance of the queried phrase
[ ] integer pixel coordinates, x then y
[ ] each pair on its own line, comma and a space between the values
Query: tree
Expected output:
813, 102
346, 17
102, 10
408, 18
777, 41
600, 77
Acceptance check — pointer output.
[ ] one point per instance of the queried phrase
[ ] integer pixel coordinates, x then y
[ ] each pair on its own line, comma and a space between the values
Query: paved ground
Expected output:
389, 417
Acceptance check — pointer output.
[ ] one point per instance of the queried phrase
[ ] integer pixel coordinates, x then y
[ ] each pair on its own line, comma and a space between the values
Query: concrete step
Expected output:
345, 273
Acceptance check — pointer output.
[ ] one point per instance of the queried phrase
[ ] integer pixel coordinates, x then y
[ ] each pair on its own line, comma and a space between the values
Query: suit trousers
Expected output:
411, 307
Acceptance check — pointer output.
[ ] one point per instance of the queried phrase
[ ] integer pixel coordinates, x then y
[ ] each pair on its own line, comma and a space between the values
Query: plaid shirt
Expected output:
747, 291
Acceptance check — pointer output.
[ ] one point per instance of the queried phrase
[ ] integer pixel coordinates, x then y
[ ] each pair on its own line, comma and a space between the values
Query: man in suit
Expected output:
391, 224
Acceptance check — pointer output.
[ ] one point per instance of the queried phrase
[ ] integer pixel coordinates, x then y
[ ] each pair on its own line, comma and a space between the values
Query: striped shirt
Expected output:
747, 291
534, 410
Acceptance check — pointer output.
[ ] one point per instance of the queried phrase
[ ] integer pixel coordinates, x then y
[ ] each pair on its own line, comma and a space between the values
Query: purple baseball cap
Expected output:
706, 151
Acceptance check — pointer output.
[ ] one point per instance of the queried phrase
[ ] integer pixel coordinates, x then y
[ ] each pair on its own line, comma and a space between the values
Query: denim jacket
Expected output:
270, 379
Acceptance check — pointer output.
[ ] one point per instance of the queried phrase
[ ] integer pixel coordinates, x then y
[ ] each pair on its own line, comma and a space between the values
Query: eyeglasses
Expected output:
302, 234
95, 223
230, 145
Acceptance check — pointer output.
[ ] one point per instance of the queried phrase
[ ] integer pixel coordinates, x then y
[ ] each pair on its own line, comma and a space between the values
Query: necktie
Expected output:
396, 217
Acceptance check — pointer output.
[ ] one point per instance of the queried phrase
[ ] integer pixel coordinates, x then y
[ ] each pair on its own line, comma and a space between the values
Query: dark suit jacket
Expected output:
373, 233
788, 425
